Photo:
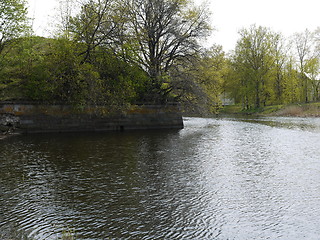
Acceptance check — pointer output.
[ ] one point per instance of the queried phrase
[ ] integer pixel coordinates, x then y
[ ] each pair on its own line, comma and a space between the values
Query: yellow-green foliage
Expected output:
203, 82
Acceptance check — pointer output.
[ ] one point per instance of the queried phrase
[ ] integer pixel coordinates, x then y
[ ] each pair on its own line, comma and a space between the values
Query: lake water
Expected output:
215, 179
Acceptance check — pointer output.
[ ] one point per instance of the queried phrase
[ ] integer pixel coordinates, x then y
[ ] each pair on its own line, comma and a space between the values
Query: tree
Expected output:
97, 24
166, 32
253, 61
312, 72
292, 90
64, 15
304, 45
13, 20
280, 59
13, 23
154, 35
210, 71
198, 84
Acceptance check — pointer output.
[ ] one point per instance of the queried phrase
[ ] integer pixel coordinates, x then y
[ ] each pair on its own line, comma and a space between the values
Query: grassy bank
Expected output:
292, 110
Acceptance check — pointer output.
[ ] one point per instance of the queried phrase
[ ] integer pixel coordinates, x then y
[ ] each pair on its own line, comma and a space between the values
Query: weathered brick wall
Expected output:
62, 118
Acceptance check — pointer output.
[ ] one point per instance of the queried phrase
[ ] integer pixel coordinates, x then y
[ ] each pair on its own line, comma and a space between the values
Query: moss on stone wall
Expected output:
65, 118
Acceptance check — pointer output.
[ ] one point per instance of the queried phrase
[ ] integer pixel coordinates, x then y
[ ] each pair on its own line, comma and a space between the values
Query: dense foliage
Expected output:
148, 51
51, 70
13, 21
109, 52
267, 70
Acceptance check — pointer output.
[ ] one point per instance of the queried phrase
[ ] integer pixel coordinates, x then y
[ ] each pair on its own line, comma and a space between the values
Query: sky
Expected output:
285, 16
42, 13
228, 17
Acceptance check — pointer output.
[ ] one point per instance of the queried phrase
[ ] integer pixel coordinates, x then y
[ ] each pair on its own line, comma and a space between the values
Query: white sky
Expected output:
42, 11
285, 16
228, 17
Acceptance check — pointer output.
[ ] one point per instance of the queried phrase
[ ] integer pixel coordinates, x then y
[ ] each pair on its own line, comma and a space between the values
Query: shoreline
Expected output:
291, 110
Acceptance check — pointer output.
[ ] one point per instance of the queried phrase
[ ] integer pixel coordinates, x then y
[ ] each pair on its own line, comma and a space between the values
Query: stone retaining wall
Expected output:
31, 118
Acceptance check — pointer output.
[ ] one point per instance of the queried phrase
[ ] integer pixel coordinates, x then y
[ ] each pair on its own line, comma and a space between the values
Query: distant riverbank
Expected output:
292, 110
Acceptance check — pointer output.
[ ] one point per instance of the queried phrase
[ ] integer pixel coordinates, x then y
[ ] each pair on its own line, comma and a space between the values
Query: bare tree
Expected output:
97, 24
64, 14
166, 32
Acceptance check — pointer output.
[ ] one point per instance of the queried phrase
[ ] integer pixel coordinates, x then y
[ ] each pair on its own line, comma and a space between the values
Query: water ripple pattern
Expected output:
216, 179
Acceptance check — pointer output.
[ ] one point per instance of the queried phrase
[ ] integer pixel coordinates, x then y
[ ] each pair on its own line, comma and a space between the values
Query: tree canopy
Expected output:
266, 69
155, 34
150, 51
165, 32
13, 20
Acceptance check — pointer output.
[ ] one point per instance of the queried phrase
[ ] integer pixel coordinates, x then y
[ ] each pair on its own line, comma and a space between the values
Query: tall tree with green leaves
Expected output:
292, 88
210, 72
13, 20
312, 72
280, 60
253, 61
304, 45
200, 83
13, 23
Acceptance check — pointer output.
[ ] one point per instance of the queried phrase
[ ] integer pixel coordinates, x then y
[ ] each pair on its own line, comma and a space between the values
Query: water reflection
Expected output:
215, 179
294, 123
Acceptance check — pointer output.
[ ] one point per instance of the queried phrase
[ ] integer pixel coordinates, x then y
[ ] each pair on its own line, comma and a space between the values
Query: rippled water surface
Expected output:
215, 179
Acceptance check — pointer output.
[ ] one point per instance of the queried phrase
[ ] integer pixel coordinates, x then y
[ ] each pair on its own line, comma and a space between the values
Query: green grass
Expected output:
295, 110
271, 109
231, 109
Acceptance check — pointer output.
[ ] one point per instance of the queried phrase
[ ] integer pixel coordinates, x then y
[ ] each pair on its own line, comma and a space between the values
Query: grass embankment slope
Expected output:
292, 110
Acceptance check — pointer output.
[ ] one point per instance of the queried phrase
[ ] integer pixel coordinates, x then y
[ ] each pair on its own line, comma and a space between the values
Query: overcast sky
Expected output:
228, 17
286, 16
42, 12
